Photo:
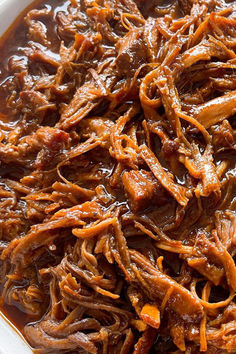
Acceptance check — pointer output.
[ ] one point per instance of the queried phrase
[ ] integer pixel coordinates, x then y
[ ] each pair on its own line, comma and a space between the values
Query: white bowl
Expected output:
11, 340
9, 10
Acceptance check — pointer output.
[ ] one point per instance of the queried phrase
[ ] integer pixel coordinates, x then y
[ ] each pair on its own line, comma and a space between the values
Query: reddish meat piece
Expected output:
132, 52
223, 134
142, 187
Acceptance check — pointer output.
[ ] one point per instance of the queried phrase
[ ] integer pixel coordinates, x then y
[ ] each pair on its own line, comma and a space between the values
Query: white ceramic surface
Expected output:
10, 341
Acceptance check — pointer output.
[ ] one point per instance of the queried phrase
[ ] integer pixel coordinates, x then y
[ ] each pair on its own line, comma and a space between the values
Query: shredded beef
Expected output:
117, 176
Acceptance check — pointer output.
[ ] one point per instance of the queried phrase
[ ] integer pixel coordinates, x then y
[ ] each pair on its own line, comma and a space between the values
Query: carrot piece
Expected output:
150, 314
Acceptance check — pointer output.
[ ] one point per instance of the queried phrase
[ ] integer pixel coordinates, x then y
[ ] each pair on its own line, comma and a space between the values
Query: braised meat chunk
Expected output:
131, 52
142, 189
